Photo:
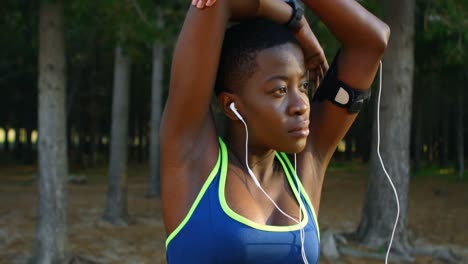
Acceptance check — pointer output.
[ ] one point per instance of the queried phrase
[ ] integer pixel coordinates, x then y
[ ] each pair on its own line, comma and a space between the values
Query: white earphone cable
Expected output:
252, 175
383, 166
302, 232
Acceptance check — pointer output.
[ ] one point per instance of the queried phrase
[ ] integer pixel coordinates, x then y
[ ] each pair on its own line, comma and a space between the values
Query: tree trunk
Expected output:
141, 146
431, 149
82, 148
156, 108
364, 147
460, 133
28, 157
19, 148
417, 139
51, 243
349, 149
116, 210
94, 149
444, 137
94, 136
131, 139
379, 211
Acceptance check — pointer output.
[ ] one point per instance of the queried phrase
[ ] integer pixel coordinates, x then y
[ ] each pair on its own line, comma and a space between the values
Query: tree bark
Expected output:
460, 134
349, 149
364, 148
116, 210
379, 211
417, 139
19, 147
131, 139
444, 138
156, 109
51, 243
28, 157
141, 145
94, 135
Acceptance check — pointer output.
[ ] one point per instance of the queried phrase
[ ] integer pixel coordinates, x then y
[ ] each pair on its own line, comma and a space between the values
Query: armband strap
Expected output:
339, 92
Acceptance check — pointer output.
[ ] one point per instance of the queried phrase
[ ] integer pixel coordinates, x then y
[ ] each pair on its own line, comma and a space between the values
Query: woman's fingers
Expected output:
313, 80
199, 3
317, 67
210, 2
202, 3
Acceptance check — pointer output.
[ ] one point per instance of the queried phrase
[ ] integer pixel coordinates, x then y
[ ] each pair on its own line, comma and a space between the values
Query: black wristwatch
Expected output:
296, 16
339, 92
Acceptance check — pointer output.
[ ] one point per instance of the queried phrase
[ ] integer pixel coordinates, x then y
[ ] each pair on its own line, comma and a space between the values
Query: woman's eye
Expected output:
305, 87
280, 91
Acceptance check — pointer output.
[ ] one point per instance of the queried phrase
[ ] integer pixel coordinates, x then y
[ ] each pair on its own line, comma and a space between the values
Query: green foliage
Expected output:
18, 61
347, 166
436, 171
441, 46
442, 31
93, 28
136, 24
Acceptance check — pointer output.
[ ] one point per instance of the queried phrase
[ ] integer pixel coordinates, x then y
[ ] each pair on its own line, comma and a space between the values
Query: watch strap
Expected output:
296, 16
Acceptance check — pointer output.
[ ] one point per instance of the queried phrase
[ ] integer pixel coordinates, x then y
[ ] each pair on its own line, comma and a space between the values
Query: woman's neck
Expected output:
261, 160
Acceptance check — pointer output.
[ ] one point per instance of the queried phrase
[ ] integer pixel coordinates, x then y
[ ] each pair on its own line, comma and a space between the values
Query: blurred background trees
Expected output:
126, 46
93, 29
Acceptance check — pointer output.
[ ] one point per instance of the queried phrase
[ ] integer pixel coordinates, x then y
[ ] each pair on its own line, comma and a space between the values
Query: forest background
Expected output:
89, 79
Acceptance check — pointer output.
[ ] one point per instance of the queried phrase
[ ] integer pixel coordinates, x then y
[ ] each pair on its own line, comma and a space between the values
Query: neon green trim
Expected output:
285, 157
244, 220
197, 201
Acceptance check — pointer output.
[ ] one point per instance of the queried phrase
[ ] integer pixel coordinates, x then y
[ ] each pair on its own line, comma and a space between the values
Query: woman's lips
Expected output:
301, 130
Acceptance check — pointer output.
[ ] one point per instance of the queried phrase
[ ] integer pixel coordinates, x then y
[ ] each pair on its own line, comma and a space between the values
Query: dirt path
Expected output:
438, 212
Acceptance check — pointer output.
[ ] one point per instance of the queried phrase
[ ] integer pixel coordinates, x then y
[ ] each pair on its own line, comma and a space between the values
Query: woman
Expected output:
223, 201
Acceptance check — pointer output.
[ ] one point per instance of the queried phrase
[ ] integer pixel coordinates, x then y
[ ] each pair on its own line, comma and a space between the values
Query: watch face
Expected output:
342, 96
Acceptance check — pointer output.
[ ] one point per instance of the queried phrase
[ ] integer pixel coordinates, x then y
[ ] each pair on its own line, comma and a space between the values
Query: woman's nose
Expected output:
299, 104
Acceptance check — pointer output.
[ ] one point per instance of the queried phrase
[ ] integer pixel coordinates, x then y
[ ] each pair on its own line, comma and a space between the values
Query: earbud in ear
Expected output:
232, 105
234, 109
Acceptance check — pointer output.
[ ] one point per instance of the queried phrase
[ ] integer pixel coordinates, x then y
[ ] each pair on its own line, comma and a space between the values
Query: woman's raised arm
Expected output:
186, 122
193, 74
363, 38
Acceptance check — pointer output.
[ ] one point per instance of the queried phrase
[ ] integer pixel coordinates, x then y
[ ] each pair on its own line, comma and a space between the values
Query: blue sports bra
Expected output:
213, 233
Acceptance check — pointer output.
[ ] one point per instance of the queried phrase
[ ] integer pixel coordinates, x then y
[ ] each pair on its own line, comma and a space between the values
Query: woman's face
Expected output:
274, 101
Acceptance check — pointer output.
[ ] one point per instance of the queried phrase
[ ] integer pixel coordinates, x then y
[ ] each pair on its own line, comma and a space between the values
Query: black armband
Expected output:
339, 92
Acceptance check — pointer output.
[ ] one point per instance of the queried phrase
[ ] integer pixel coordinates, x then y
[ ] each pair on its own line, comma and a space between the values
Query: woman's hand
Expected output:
314, 57
202, 3
315, 60
238, 9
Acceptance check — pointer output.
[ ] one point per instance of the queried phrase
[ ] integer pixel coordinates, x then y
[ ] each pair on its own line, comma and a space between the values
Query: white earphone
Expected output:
234, 109
232, 105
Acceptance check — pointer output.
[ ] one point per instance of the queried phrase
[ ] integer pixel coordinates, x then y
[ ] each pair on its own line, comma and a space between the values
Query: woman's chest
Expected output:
241, 195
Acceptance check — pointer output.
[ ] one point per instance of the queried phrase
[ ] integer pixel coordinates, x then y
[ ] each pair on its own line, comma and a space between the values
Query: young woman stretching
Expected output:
236, 201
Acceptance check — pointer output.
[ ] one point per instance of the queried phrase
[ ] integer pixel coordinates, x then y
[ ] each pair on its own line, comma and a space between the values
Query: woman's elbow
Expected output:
373, 39
382, 35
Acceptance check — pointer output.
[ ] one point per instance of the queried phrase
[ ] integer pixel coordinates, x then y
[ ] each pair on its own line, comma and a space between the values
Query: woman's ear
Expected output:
225, 99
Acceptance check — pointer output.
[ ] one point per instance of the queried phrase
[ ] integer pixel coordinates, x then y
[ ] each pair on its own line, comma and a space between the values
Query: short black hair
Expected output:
241, 44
